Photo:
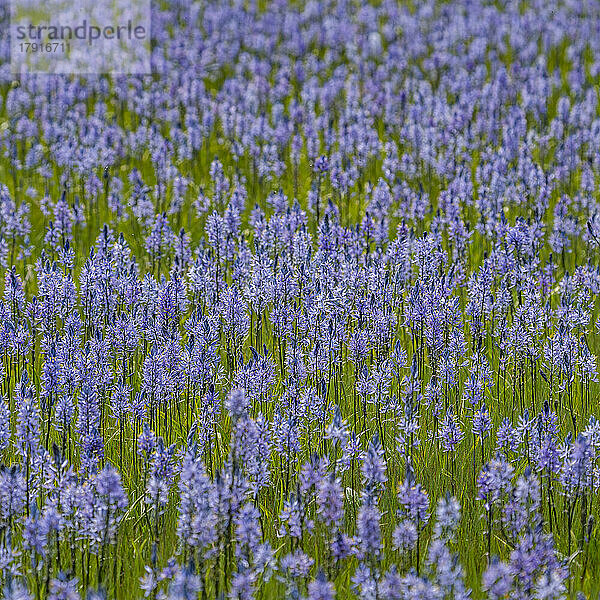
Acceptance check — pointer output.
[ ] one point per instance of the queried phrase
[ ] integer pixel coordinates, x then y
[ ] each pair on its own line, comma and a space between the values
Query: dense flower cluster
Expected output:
309, 312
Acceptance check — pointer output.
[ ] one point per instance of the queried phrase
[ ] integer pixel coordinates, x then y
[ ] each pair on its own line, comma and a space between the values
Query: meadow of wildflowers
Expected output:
309, 312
